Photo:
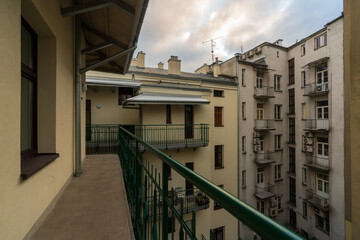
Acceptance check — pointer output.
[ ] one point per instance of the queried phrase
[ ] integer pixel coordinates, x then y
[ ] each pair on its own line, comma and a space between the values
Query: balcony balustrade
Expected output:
318, 163
317, 125
264, 192
315, 89
150, 208
317, 201
104, 138
264, 92
264, 124
264, 157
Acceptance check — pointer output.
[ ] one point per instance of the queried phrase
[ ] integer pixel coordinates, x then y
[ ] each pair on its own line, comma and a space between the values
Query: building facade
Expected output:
291, 131
190, 117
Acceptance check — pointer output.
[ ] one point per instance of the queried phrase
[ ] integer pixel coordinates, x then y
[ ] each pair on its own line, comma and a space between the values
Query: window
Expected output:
303, 107
321, 77
243, 110
292, 222
303, 78
243, 83
292, 191
304, 176
277, 141
304, 209
291, 71
292, 101
125, 93
322, 222
260, 175
28, 88
277, 172
322, 147
219, 233
292, 160
279, 205
219, 156
168, 114
292, 130
216, 205
259, 79
277, 111
320, 41
322, 110
303, 50
322, 182
243, 144
218, 93
243, 178
260, 205
218, 117
277, 82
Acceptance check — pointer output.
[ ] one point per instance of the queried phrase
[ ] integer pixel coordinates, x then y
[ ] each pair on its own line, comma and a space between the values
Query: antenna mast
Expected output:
213, 44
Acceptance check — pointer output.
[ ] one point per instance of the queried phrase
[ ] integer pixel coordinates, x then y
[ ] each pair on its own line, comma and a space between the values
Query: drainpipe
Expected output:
77, 83
238, 133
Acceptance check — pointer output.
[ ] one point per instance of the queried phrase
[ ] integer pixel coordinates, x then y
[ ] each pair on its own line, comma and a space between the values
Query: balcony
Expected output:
317, 163
317, 201
264, 192
264, 93
316, 89
321, 125
264, 157
101, 139
264, 124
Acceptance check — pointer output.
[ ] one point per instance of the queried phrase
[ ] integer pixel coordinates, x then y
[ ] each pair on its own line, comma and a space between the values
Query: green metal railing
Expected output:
148, 196
102, 139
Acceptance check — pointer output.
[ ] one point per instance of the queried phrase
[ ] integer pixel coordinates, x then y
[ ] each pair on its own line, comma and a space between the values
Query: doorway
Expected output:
188, 185
189, 121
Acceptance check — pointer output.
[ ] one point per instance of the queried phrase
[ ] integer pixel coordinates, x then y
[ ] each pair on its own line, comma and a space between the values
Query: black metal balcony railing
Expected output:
264, 157
317, 200
264, 92
264, 124
104, 138
314, 89
317, 124
318, 163
145, 188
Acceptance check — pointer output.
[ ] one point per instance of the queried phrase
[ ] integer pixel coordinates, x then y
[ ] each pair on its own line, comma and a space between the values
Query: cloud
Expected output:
180, 27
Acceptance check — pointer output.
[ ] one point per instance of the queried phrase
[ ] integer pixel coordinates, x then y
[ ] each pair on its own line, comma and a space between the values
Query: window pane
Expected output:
27, 89
27, 50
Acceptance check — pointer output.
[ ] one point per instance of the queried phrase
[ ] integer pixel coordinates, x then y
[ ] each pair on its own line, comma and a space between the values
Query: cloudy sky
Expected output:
179, 27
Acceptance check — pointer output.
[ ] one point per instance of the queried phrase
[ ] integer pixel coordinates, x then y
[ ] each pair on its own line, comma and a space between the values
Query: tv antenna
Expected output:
213, 44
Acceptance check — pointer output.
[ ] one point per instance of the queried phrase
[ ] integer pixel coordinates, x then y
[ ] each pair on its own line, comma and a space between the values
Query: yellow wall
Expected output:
22, 202
109, 112
352, 116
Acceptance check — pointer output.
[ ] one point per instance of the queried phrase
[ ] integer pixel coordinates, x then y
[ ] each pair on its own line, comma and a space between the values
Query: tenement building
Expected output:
291, 131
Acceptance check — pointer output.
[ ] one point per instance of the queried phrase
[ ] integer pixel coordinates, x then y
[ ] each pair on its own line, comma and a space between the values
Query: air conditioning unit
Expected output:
308, 149
309, 141
256, 134
319, 88
256, 141
273, 212
256, 148
320, 201
274, 202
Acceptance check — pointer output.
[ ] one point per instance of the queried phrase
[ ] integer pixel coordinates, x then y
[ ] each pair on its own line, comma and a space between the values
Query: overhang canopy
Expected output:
111, 82
316, 62
264, 195
173, 99
111, 30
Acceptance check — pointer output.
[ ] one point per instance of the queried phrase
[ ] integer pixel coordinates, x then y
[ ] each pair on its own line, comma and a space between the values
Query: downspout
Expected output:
238, 132
77, 83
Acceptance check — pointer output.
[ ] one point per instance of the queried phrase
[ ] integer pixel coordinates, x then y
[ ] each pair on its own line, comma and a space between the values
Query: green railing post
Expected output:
164, 201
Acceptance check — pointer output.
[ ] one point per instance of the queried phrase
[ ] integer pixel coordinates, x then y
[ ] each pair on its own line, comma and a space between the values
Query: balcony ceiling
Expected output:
156, 98
109, 28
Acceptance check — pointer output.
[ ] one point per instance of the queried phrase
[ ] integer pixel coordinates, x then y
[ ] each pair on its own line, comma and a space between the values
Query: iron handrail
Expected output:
261, 224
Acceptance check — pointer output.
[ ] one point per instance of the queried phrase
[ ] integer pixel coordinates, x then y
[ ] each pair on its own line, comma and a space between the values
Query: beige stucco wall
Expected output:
352, 115
22, 202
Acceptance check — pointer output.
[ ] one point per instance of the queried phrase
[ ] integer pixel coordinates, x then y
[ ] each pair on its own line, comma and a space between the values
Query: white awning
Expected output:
111, 82
156, 98
317, 62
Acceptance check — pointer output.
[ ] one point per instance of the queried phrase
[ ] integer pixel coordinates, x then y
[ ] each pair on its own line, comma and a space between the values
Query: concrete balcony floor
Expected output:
92, 206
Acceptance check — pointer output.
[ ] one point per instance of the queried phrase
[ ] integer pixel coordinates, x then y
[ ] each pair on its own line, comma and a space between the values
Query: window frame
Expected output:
303, 50
243, 178
243, 82
218, 93
219, 230
320, 41
243, 144
277, 142
277, 82
303, 78
218, 150
277, 171
219, 116
243, 110
291, 65
277, 111
124, 93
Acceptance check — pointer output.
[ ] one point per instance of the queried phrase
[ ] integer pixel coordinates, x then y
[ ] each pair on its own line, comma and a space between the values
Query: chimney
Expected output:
161, 65
216, 68
133, 62
174, 65
140, 59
